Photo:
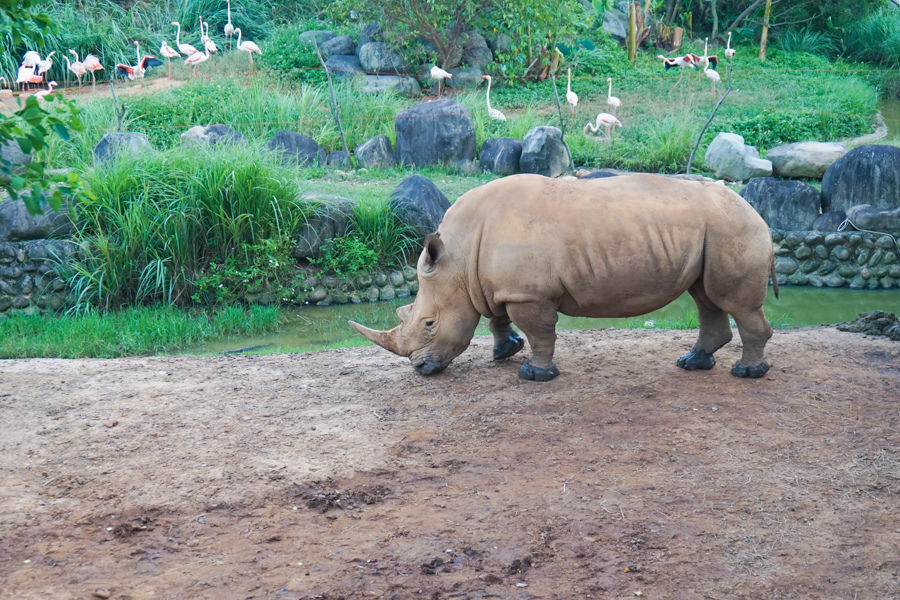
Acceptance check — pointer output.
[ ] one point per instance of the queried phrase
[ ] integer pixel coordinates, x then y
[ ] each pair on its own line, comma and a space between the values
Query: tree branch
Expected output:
747, 12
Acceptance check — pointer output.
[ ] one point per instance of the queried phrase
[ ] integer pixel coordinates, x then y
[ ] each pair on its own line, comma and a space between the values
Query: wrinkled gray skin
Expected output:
521, 249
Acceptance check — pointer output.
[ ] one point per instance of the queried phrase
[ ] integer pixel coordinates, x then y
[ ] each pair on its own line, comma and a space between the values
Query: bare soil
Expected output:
344, 474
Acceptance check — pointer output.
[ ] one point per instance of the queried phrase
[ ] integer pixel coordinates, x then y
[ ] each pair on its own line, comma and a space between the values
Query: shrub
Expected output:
264, 267
345, 255
290, 57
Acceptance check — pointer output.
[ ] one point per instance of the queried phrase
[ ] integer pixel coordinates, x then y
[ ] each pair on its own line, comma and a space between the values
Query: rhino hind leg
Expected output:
755, 332
506, 341
715, 332
538, 322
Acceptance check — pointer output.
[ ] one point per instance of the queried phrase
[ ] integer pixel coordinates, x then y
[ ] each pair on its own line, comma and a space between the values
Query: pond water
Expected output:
317, 328
890, 110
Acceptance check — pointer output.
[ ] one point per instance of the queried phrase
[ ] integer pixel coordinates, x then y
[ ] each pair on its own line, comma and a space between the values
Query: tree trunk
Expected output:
747, 12
764, 38
632, 32
715, 19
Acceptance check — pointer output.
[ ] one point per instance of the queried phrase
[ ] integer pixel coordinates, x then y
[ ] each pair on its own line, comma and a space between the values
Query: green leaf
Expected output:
62, 131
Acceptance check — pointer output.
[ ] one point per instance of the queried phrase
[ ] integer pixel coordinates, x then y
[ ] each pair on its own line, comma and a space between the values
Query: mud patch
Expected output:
877, 322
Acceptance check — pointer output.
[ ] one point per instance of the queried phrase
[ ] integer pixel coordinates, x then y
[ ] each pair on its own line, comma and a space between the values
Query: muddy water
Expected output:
890, 110
317, 328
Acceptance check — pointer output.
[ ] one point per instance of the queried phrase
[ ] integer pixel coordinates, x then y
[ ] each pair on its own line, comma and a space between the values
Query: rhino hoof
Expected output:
696, 359
751, 372
530, 372
510, 346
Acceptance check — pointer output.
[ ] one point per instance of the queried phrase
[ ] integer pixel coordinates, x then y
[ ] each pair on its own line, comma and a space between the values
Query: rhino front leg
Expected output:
506, 341
538, 322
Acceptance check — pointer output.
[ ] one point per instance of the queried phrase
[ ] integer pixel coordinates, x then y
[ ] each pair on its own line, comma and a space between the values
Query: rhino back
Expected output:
604, 247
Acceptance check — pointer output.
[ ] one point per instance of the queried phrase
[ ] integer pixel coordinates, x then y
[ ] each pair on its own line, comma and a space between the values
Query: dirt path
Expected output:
344, 474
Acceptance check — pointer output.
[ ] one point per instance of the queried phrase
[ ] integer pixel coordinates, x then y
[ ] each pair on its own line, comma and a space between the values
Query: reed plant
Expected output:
158, 220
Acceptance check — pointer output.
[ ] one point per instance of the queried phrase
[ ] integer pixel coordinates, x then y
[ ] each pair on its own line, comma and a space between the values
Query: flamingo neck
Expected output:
178, 35
609, 90
137, 53
229, 13
239, 37
569, 81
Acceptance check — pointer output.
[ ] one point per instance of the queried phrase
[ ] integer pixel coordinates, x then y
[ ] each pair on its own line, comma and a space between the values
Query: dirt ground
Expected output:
345, 474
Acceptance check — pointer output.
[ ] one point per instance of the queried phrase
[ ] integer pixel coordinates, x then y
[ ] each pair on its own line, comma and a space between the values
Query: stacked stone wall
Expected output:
28, 281
852, 259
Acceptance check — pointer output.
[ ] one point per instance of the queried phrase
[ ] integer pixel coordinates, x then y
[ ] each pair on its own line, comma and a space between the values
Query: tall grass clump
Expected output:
806, 40
876, 38
159, 220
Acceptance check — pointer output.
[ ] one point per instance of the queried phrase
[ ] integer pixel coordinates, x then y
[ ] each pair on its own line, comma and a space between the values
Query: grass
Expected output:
129, 332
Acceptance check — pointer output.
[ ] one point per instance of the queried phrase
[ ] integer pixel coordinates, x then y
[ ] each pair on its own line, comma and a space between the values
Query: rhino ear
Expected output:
434, 250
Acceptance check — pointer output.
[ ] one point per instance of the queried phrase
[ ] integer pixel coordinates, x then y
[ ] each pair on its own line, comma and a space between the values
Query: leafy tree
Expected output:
32, 125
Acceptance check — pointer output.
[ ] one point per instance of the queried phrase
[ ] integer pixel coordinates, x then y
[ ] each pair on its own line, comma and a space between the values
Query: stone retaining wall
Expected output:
365, 287
28, 282
849, 258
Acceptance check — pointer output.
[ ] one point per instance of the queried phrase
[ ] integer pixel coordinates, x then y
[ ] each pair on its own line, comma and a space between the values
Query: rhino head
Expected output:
439, 325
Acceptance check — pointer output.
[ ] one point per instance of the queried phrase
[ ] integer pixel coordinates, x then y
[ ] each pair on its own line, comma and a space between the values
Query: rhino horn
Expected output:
385, 339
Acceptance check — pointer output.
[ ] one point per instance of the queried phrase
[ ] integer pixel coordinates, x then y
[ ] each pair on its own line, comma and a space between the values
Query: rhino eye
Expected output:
429, 323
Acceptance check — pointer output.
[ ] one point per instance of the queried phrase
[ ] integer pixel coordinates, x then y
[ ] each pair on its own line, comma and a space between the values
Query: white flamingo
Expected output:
169, 53
248, 47
195, 59
571, 97
46, 64
439, 75
76, 67
729, 51
229, 28
603, 120
92, 64
208, 42
610, 99
185, 49
138, 70
31, 59
27, 74
713, 77
40, 94
492, 112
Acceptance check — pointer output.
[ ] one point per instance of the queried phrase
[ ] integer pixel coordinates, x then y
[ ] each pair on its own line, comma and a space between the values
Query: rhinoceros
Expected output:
521, 249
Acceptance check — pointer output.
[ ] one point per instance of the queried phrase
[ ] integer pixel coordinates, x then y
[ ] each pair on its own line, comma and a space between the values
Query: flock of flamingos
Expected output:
33, 70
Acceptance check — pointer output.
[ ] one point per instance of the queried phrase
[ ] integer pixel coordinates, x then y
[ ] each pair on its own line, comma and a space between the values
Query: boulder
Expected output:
375, 153
791, 205
316, 36
865, 175
601, 174
339, 44
437, 132
344, 66
544, 152
476, 52
370, 32
405, 86
212, 134
296, 149
500, 42
804, 159
829, 220
338, 159
120, 143
379, 57
13, 154
871, 218
17, 224
464, 79
615, 23
419, 205
731, 159
331, 218
501, 155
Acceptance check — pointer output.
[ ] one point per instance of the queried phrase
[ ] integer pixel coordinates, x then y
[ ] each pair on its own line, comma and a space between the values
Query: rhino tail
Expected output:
774, 276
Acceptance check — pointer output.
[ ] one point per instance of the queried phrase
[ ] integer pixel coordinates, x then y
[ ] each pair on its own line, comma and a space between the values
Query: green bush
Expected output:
262, 268
875, 38
290, 57
345, 255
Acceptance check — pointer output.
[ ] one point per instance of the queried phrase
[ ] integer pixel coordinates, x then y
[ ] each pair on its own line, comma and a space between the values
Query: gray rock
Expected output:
419, 204
543, 152
370, 32
344, 66
339, 44
375, 153
380, 58
17, 224
296, 149
338, 159
318, 36
12, 153
212, 134
731, 159
790, 205
500, 42
331, 218
117, 144
464, 79
882, 220
441, 131
829, 220
476, 52
804, 159
468, 167
615, 23
405, 86
501, 155
865, 175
